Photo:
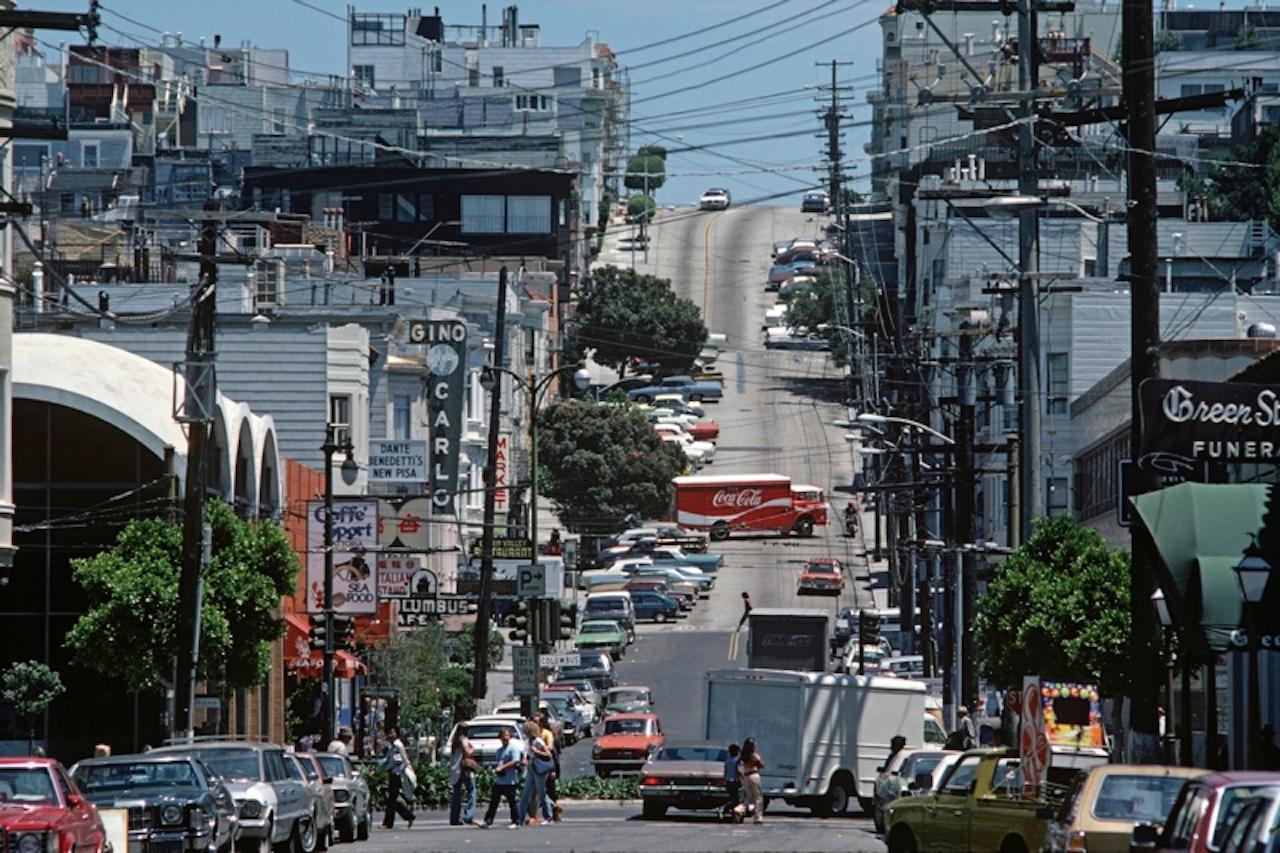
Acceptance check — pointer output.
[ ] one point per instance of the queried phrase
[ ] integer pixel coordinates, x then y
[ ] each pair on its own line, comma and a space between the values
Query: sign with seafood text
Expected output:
446, 343
1186, 424
355, 547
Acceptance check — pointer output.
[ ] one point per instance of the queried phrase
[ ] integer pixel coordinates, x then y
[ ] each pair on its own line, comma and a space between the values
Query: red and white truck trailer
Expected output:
748, 502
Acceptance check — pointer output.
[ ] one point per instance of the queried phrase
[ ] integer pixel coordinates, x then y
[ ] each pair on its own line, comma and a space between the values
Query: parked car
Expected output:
628, 699
664, 552
683, 599
902, 777
802, 265
571, 715
716, 198
483, 732
815, 202
790, 288
322, 800
685, 776
350, 796
1256, 828
625, 743
42, 809
905, 666
599, 677
796, 246
780, 337
1205, 807
512, 709
270, 792
174, 801
1105, 804
654, 605
614, 606
582, 693
703, 451
823, 576
688, 387
603, 634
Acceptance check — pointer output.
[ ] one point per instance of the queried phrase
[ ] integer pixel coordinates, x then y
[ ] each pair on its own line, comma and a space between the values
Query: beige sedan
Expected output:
1109, 801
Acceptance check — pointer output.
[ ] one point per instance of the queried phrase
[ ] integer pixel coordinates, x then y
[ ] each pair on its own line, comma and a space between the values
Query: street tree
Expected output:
30, 687
646, 170
629, 316
130, 630
1246, 188
600, 463
821, 308
417, 666
641, 207
1057, 607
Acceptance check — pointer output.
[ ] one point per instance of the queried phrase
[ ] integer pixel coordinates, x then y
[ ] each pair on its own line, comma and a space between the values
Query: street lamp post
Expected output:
1252, 573
1165, 619
535, 390
329, 448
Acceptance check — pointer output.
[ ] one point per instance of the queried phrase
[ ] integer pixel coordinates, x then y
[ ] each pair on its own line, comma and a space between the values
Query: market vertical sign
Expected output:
355, 546
446, 343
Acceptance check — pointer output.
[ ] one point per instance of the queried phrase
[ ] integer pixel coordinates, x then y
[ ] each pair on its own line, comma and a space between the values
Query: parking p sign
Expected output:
531, 581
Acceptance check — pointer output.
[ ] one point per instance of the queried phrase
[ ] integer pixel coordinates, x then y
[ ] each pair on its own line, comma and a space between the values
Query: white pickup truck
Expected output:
823, 736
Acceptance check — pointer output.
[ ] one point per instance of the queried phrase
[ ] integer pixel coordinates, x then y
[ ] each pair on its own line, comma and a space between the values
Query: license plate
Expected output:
165, 846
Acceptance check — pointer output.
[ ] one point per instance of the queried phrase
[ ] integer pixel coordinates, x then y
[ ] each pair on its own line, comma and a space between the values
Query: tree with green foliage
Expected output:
600, 463
130, 631
1250, 190
641, 208
31, 688
646, 171
1167, 40
417, 665
630, 316
820, 308
1057, 607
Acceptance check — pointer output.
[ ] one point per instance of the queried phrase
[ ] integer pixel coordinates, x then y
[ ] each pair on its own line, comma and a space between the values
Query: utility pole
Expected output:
965, 500
197, 413
1028, 270
922, 565
835, 180
480, 674
1144, 318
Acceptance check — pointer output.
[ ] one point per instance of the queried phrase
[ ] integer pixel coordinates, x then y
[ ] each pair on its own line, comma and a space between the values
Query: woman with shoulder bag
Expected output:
402, 781
462, 769
541, 765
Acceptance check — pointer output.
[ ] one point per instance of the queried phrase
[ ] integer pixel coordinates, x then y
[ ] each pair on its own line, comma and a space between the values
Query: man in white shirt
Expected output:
342, 743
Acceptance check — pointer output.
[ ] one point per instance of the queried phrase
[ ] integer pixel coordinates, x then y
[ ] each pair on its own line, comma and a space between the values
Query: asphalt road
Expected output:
775, 417
619, 827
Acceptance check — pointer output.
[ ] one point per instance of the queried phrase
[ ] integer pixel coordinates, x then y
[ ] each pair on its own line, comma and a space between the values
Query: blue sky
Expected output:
758, 81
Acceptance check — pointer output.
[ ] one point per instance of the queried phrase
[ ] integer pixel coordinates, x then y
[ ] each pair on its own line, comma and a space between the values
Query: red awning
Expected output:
303, 661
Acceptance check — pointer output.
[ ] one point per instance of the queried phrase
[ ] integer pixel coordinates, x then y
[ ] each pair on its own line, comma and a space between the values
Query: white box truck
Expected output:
822, 736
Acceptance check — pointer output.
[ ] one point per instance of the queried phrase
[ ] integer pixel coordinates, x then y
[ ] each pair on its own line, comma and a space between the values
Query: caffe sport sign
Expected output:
446, 343
1185, 423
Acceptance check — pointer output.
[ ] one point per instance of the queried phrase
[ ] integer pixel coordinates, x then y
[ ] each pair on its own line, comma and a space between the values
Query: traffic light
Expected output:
522, 620
568, 621
344, 629
316, 636
868, 627
548, 623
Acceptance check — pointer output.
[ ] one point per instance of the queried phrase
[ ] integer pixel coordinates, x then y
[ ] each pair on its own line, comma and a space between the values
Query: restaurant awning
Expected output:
302, 660
1200, 531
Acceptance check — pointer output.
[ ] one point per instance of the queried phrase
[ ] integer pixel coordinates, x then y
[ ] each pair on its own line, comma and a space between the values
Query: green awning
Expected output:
1200, 532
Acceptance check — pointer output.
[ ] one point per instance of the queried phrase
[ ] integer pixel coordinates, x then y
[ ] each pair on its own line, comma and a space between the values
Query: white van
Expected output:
823, 736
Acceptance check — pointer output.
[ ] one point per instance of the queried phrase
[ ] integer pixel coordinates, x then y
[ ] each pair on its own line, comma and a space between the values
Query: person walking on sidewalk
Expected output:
746, 610
553, 794
462, 769
749, 766
541, 766
402, 783
506, 775
732, 781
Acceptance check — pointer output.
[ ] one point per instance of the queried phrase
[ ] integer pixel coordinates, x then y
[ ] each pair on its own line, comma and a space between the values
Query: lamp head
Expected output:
488, 378
1253, 572
582, 378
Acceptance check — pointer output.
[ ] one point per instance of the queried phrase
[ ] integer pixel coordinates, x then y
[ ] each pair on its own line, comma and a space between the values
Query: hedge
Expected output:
434, 790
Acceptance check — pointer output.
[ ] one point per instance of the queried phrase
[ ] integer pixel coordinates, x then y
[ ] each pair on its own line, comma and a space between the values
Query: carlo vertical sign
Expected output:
446, 343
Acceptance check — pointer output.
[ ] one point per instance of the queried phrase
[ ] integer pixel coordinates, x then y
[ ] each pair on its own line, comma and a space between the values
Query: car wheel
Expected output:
303, 839
660, 616
804, 526
347, 831
643, 399
695, 398
615, 656
654, 811
720, 531
902, 841
362, 829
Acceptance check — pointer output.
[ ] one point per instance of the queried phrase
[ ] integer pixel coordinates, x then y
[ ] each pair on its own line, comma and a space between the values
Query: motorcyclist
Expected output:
850, 517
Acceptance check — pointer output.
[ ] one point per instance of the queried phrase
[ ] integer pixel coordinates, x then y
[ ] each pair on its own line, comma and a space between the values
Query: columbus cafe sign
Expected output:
1186, 424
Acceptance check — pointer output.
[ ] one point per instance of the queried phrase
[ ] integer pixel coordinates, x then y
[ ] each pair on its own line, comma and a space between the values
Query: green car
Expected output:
602, 635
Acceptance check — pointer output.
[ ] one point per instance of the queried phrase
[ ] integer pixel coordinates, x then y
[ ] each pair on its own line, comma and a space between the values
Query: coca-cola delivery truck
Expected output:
748, 502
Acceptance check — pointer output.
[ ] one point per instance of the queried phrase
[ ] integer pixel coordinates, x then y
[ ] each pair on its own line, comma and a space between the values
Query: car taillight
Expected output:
651, 780
1076, 842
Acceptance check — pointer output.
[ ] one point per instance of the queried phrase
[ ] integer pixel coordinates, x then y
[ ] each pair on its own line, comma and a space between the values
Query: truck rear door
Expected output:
769, 712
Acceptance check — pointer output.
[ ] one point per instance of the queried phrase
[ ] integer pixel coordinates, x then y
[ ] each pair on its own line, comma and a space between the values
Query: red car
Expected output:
41, 810
1203, 811
704, 431
625, 742
822, 577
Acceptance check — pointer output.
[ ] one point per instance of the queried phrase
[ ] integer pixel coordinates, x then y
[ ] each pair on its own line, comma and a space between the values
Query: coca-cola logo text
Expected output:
739, 499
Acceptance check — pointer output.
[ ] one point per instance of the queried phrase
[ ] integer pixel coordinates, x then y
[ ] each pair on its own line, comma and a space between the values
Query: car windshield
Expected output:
171, 776
599, 628
308, 769
693, 753
629, 696
1230, 802
30, 785
626, 727
917, 764
485, 731
821, 569
234, 765
1136, 798
333, 765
